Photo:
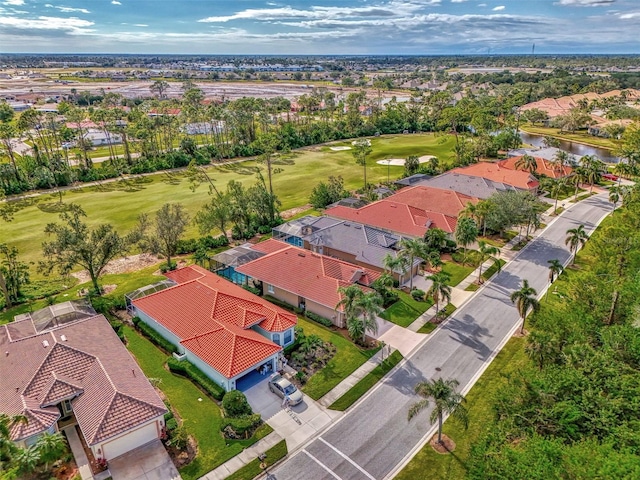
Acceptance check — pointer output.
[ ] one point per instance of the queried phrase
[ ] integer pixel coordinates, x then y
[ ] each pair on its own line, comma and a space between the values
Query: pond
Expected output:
572, 147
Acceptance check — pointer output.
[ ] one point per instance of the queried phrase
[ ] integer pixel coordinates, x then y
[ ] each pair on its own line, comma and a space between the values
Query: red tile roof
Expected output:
269, 246
431, 199
309, 275
207, 309
543, 167
85, 358
493, 171
396, 217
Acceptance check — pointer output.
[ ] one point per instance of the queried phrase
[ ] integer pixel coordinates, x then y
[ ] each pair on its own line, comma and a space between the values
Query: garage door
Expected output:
133, 439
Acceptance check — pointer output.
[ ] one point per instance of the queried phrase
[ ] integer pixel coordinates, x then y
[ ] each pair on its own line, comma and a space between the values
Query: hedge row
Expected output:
242, 425
318, 319
196, 375
154, 336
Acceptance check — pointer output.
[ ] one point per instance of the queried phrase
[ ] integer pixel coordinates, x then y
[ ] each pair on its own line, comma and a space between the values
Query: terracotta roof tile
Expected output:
431, 199
493, 171
543, 167
37, 420
268, 246
309, 275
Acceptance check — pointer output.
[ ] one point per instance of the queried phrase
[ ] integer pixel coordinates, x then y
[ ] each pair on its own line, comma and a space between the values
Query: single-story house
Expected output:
349, 241
98, 137
493, 171
543, 167
226, 331
64, 366
201, 128
305, 279
470, 185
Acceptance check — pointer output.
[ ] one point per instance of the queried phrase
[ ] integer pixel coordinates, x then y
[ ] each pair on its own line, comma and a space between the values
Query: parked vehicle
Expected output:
284, 388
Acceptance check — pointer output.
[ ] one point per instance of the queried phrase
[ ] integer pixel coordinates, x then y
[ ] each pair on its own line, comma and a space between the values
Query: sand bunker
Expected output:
400, 161
339, 149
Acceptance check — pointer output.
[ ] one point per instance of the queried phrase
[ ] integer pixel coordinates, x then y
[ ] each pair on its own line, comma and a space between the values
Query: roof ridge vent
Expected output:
45, 343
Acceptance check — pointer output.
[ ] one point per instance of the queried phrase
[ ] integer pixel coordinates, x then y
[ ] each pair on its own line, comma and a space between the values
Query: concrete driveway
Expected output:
149, 462
296, 424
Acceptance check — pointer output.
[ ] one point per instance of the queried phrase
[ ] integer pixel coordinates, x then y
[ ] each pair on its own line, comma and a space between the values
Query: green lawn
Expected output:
489, 272
200, 418
427, 328
120, 203
367, 382
346, 360
457, 271
252, 469
582, 197
406, 310
480, 406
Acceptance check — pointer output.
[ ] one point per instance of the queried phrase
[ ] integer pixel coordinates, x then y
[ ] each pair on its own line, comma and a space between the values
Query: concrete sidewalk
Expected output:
78, 453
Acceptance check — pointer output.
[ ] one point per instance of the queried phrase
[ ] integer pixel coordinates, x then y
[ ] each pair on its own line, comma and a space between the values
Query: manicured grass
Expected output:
119, 203
457, 272
472, 287
582, 197
346, 360
367, 382
252, 469
406, 310
480, 406
489, 272
427, 328
578, 137
200, 418
449, 309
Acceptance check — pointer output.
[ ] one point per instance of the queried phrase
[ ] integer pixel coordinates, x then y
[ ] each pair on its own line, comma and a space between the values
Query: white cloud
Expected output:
13, 3
629, 16
458, 1
482, 4
498, 8
115, 2
68, 9
584, 3
72, 24
140, 25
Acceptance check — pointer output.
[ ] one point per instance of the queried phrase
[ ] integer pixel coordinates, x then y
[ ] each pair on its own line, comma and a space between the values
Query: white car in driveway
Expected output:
284, 388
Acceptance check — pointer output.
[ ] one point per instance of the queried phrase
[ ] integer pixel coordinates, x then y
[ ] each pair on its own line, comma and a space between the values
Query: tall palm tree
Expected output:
579, 176
614, 196
487, 252
527, 163
397, 264
593, 167
50, 446
560, 160
525, 301
576, 238
557, 187
440, 289
446, 401
466, 233
555, 269
469, 211
411, 249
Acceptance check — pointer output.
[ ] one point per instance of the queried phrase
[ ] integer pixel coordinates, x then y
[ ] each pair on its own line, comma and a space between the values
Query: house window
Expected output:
276, 338
287, 337
270, 288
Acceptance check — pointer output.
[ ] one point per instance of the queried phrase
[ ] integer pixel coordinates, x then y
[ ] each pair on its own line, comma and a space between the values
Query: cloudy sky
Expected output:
320, 26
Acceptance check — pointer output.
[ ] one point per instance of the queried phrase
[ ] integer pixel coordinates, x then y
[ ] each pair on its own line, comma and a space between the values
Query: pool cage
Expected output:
144, 291
59, 314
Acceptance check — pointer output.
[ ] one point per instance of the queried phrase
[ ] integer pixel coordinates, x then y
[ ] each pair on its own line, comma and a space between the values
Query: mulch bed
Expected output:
447, 445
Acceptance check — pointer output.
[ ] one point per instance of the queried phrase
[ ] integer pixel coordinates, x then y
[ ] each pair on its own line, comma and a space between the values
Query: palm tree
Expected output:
470, 210
525, 301
446, 401
362, 148
557, 187
410, 249
50, 447
555, 269
560, 160
397, 264
440, 289
349, 297
614, 196
527, 163
369, 306
487, 252
593, 167
7, 447
580, 175
466, 233
576, 238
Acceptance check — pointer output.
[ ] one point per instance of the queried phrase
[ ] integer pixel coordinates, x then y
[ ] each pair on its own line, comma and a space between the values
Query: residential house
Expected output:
307, 280
543, 167
492, 171
477, 187
229, 333
99, 137
349, 241
64, 366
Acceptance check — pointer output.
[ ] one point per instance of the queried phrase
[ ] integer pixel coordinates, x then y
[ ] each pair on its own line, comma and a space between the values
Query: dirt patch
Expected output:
447, 445
185, 456
128, 264
294, 211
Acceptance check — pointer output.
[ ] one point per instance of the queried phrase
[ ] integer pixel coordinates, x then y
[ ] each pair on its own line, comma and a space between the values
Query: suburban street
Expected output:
374, 440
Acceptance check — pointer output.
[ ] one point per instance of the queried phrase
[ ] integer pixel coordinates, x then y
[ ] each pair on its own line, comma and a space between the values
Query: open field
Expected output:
120, 202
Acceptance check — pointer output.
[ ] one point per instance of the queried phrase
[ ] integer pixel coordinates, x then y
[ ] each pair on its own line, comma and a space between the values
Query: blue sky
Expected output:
320, 26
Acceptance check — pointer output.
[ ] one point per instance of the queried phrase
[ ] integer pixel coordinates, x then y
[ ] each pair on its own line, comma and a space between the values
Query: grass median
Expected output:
405, 310
367, 382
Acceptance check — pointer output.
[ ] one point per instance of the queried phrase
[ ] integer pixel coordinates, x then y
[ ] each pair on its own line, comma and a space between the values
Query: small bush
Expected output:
167, 268
318, 319
235, 404
196, 375
171, 424
155, 337
254, 290
417, 294
240, 427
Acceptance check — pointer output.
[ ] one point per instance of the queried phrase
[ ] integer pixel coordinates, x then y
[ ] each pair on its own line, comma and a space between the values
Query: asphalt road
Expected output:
373, 440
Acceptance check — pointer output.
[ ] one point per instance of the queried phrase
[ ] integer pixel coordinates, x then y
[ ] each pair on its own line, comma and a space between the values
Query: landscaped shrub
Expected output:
166, 268
171, 424
254, 290
196, 375
235, 404
240, 427
417, 294
318, 319
154, 336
